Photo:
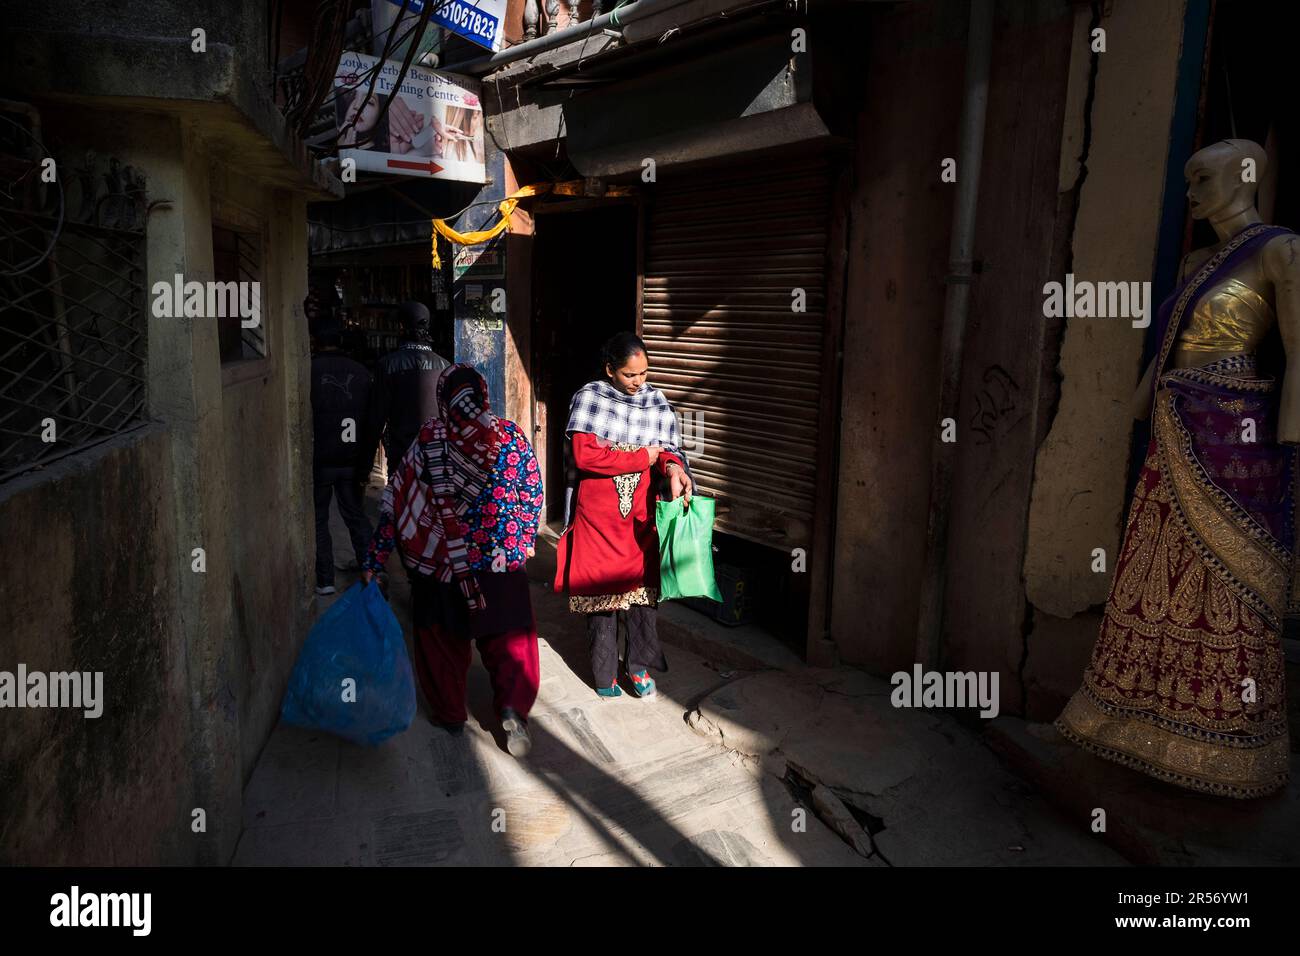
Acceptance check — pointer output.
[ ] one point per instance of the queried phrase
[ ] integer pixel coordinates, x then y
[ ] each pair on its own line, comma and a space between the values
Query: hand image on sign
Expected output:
408, 120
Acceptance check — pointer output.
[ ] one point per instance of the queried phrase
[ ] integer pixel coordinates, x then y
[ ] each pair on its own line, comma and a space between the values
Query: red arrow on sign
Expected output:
429, 168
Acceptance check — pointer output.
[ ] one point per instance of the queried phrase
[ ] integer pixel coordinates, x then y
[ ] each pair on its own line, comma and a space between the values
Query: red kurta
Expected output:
612, 546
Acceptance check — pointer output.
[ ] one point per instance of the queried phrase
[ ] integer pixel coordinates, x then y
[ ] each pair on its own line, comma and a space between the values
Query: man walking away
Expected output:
340, 396
405, 392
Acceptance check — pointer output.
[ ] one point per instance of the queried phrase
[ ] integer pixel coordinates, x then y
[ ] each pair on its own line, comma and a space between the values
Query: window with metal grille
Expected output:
237, 257
73, 331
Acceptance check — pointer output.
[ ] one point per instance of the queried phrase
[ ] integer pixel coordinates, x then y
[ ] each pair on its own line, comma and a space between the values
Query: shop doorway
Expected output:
585, 289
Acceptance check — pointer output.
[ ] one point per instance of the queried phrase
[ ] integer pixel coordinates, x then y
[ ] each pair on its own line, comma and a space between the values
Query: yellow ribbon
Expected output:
506, 208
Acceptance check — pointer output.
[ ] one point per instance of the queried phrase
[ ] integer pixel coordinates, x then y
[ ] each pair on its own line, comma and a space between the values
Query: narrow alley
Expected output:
702, 774
647, 434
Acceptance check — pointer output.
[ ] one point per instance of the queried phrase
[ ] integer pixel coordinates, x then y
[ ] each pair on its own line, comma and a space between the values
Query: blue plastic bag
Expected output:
357, 638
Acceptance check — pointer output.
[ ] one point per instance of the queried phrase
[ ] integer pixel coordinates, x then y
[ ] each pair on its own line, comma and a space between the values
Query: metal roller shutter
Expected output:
724, 252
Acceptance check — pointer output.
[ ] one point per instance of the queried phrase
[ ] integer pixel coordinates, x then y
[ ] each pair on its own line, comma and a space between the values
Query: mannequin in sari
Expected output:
1186, 680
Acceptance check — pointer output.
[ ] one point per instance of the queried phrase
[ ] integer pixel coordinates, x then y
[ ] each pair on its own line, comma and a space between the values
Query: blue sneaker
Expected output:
612, 691
643, 684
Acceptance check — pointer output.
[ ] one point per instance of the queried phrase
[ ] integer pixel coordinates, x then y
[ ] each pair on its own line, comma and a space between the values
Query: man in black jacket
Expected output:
340, 397
405, 395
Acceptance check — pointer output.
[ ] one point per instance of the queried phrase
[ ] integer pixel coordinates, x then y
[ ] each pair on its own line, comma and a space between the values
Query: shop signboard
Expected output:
430, 126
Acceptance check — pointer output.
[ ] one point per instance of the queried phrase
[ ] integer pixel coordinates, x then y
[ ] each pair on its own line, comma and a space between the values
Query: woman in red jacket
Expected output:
623, 435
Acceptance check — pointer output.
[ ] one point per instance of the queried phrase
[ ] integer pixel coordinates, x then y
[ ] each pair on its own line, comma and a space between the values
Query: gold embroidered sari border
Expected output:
1180, 727
1152, 707
1192, 635
1200, 376
1226, 766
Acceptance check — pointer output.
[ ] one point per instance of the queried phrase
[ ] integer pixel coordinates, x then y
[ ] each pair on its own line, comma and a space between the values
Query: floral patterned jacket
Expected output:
501, 524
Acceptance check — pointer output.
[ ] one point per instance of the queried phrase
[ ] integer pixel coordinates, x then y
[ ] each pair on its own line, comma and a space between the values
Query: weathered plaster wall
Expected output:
897, 253
198, 659
268, 471
1007, 388
1038, 484
87, 583
1081, 470
184, 393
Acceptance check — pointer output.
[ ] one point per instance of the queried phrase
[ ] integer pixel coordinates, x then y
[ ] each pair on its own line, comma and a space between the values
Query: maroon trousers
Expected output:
442, 660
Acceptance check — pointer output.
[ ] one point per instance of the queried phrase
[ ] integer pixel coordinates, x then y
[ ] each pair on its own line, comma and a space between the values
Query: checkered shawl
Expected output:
600, 409
645, 418
443, 472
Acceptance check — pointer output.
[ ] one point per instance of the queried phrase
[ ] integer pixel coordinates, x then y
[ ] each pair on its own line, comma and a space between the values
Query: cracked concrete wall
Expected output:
1081, 469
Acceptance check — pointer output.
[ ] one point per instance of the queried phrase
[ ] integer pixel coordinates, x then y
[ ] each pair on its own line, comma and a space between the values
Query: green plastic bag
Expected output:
686, 549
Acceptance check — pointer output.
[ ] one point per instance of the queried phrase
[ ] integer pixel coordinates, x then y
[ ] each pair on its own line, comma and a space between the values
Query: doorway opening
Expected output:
585, 289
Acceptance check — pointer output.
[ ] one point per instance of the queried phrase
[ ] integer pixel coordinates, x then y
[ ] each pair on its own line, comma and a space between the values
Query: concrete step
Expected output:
1150, 822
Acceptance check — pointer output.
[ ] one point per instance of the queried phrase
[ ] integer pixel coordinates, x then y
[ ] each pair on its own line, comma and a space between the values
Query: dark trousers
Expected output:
643, 648
340, 482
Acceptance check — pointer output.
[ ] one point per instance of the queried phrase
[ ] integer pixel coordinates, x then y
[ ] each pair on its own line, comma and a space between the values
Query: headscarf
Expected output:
452, 461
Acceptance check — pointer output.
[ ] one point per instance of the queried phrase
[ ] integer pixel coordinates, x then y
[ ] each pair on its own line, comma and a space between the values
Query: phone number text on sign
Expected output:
479, 22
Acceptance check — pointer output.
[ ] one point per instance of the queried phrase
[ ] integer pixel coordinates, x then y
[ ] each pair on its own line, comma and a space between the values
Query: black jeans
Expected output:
643, 648
329, 482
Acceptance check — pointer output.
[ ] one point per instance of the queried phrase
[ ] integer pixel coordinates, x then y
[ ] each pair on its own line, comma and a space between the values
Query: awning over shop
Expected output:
736, 89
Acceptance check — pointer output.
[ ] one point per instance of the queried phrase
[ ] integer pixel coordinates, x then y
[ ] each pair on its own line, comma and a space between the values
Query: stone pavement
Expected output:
719, 770
608, 783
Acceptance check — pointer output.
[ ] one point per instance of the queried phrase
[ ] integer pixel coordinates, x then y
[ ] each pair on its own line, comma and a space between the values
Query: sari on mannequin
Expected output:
1186, 680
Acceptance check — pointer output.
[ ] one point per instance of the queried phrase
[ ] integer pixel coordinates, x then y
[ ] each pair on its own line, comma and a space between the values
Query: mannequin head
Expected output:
1217, 187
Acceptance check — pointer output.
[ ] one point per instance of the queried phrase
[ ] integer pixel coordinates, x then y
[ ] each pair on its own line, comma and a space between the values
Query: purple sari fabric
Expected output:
1213, 404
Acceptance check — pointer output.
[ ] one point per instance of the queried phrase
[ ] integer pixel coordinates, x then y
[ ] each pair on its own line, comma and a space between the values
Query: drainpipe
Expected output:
618, 17
929, 638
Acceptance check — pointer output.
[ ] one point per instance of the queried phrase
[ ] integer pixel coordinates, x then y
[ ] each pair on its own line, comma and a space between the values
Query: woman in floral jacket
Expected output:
462, 509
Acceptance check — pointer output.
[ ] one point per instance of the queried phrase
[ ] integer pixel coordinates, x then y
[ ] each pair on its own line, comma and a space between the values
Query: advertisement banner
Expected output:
430, 126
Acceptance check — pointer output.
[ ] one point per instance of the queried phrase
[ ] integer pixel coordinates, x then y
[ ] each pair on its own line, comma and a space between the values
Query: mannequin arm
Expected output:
1281, 262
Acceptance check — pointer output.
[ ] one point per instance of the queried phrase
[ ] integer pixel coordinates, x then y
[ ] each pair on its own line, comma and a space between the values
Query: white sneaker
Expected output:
325, 589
